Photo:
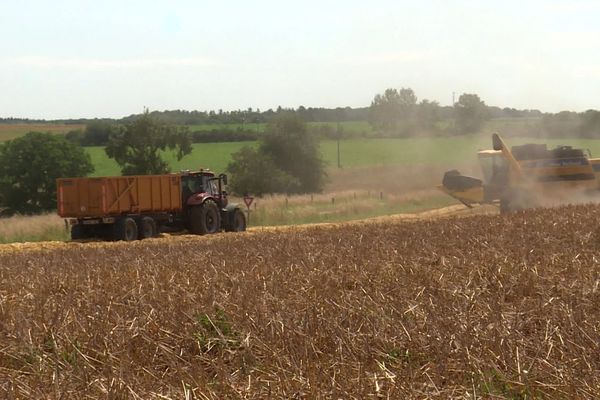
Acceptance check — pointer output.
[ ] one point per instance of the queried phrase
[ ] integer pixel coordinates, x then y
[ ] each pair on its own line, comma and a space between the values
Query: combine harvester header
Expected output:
527, 176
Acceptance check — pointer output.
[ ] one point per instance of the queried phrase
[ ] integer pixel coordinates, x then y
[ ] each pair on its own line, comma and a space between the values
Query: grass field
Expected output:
355, 152
32, 228
354, 127
341, 206
485, 307
214, 156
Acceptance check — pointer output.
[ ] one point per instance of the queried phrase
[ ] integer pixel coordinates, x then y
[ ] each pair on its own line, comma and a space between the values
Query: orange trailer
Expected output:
132, 207
90, 197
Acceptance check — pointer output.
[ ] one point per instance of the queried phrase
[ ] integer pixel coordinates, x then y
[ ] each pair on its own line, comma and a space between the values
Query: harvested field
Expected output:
12, 131
482, 306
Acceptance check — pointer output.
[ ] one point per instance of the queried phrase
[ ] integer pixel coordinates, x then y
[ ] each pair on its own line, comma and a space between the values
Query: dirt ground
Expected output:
451, 211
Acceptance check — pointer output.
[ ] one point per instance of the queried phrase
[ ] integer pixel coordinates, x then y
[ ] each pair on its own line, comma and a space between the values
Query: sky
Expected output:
85, 59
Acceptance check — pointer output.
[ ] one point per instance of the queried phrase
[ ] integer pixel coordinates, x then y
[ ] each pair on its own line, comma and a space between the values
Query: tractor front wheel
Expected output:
205, 218
237, 221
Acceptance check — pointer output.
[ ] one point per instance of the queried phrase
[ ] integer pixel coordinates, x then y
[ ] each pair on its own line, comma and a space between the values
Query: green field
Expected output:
353, 152
214, 156
354, 127
260, 127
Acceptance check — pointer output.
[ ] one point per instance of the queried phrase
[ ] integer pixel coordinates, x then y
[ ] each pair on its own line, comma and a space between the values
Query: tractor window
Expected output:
210, 185
213, 187
191, 185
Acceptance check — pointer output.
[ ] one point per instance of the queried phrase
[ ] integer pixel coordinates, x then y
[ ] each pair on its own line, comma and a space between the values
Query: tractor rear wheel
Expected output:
147, 228
237, 221
205, 218
125, 229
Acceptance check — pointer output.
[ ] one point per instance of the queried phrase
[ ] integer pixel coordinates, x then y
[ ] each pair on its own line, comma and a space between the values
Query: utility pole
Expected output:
339, 133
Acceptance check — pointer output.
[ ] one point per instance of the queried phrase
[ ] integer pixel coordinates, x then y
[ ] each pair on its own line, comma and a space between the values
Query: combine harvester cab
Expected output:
527, 176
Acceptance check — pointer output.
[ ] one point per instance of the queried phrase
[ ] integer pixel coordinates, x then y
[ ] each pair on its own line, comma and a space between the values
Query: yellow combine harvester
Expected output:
527, 176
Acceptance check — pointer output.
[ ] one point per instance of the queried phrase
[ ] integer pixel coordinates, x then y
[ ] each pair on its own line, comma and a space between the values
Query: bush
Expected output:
137, 146
29, 167
255, 172
287, 161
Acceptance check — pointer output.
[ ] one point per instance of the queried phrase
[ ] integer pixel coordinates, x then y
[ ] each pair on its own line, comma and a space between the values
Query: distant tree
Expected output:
136, 147
255, 172
428, 114
393, 107
590, 125
295, 151
470, 113
75, 136
29, 167
564, 124
287, 161
97, 133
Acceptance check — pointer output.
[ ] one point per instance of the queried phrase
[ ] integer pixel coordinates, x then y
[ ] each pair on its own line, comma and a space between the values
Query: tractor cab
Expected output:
197, 186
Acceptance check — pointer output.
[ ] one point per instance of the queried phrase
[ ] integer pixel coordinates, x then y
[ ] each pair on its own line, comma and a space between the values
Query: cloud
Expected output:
570, 5
388, 57
83, 63
586, 71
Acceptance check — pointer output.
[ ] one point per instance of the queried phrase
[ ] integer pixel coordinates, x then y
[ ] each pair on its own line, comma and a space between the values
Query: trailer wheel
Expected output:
79, 232
147, 228
237, 221
205, 218
125, 229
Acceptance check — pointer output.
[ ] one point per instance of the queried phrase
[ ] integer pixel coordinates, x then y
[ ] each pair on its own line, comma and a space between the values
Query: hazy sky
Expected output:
69, 59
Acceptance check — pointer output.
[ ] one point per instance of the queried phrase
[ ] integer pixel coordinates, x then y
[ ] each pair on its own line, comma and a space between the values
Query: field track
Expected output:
435, 306
457, 210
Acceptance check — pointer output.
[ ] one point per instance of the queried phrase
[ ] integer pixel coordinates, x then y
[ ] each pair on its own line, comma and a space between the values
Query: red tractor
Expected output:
137, 207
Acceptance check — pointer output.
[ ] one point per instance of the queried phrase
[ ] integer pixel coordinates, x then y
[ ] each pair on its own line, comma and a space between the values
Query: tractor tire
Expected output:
125, 229
147, 228
205, 219
79, 232
237, 221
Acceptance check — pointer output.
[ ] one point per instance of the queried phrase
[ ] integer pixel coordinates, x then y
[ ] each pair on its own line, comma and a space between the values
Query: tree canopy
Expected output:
29, 167
287, 161
254, 172
471, 113
390, 109
136, 146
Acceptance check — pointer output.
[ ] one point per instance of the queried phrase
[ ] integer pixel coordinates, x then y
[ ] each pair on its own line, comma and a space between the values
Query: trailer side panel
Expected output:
108, 196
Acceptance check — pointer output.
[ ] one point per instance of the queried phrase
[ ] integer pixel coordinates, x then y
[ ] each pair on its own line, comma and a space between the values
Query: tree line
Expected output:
285, 160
